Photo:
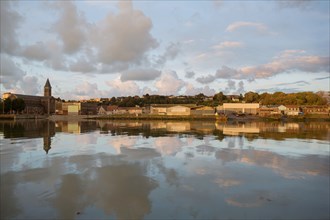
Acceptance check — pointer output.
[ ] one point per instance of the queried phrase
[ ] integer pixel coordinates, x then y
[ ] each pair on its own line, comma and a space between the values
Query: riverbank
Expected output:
19, 117
165, 117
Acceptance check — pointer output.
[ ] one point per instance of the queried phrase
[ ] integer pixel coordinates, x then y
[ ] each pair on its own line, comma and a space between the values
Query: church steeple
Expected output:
47, 89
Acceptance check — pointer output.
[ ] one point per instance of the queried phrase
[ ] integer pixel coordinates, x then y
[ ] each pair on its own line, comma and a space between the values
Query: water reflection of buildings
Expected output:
75, 127
240, 128
30, 129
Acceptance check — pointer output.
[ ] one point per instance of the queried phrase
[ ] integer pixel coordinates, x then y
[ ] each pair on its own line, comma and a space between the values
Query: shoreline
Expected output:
165, 118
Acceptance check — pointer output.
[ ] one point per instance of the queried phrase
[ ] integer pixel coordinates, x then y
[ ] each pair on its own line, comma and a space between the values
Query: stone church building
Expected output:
36, 104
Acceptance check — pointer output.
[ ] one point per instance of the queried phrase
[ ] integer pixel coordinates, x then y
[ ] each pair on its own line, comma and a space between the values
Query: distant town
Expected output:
251, 103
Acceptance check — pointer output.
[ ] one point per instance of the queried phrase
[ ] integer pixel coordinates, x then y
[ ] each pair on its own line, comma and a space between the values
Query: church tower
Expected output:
47, 89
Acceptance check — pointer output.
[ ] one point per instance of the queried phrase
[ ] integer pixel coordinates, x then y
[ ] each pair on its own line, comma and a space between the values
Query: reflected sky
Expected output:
157, 170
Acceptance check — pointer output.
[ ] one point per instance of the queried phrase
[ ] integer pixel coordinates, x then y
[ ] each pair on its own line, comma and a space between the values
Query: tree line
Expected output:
12, 105
277, 98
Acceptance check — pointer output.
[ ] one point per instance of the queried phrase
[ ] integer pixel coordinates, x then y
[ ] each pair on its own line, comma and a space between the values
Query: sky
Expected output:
91, 49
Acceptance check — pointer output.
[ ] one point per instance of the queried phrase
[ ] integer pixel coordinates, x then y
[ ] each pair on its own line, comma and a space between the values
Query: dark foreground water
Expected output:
164, 170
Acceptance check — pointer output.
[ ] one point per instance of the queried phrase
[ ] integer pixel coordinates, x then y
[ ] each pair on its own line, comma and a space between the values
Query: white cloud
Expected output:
119, 88
168, 145
140, 75
71, 27
228, 44
240, 24
38, 51
82, 65
30, 85
172, 50
124, 37
190, 74
193, 90
205, 79
240, 89
231, 85
169, 83
286, 62
11, 72
10, 21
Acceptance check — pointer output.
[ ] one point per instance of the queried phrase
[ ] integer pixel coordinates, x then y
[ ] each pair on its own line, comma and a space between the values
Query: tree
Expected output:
18, 105
8, 105
250, 97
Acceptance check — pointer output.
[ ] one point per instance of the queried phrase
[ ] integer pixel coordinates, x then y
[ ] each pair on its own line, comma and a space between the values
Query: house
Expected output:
77, 108
158, 109
246, 108
111, 109
178, 110
171, 109
282, 109
234, 98
265, 111
316, 109
135, 110
88, 108
292, 110
121, 111
102, 110
202, 111
69, 108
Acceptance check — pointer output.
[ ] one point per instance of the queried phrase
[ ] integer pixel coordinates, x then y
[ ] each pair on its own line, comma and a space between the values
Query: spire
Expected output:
47, 89
48, 84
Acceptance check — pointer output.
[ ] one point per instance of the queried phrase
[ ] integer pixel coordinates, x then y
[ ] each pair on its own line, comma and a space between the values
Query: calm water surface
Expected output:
164, 170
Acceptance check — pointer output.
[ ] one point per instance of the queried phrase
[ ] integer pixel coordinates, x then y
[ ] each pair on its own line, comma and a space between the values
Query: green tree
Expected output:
250, 97
8, 105
18, 105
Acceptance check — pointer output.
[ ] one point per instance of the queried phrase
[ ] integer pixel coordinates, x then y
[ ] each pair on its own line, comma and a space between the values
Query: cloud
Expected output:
172, 50
169, 83
231, 85
82, 65
228, 44
85, 90
279, 89
205, 79
119, 88
124, 37
11, 72
113, 44
38, 51
16, 80
322, 78
190, 74
192, 90
286, 62
301, 82
10, 21
240, 24
168, 145
30, 85
57, 60
71, 27
301, 4
140, 75
240, 89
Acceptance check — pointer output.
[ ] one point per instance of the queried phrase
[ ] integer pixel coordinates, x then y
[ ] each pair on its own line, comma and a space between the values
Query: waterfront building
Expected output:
246, 108
36, 104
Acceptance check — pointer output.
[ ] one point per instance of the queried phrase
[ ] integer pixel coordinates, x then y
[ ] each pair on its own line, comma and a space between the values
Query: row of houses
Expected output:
78, 108
293, 110
170, 110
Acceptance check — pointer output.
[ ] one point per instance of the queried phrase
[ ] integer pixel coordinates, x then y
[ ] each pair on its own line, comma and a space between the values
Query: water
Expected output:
164, 170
